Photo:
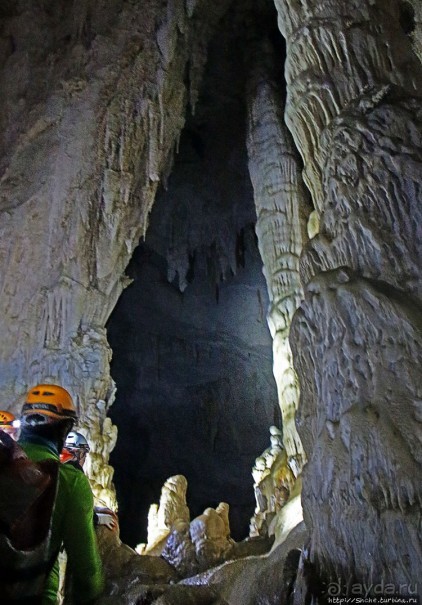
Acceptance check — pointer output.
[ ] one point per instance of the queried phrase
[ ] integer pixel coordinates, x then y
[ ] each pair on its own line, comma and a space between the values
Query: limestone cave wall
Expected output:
94, 97
93, 101
283, 209
353, 106
191, 346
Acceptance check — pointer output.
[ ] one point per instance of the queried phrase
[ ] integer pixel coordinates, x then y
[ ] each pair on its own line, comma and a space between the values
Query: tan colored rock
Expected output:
282, 207
201, 544
273, 481
161, 519
210, 536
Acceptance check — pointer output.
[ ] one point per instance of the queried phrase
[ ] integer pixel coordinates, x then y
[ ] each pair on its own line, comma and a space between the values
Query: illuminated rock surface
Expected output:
94, 98
200, 563
356, 339
273, 483
282, 207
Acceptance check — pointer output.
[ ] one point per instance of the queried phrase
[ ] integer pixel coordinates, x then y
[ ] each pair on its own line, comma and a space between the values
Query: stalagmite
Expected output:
171, 509
273, 482
94, 97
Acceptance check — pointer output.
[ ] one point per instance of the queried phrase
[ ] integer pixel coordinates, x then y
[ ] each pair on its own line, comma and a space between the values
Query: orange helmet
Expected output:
49, 400
6, 418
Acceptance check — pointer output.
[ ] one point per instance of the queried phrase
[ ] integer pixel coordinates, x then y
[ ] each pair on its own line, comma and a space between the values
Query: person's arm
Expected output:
51, 587
80, 543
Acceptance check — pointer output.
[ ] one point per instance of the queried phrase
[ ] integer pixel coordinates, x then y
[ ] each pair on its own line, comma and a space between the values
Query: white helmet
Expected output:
76, 440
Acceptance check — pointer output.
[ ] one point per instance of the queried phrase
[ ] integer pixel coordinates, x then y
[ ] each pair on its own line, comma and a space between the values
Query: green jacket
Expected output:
72, 527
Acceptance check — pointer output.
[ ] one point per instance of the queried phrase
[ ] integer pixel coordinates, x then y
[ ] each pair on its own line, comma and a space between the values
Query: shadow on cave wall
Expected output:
192, 354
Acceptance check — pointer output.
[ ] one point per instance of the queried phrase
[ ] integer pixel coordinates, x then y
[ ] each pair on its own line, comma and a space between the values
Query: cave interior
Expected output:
211, 236
192, 357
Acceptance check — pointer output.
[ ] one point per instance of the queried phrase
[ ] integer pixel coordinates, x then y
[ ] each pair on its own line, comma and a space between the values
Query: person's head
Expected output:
77, 445
48, 412
9, 424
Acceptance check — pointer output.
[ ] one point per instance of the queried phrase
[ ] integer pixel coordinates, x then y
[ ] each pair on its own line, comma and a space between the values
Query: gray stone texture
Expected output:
93, 99
353, 105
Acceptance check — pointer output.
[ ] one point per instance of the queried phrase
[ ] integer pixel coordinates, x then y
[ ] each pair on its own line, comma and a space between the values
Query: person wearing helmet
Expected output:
9, 424
47, 417
75, 451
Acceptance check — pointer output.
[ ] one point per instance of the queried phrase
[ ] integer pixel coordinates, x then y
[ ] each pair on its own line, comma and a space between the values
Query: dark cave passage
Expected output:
195, 390
192, 353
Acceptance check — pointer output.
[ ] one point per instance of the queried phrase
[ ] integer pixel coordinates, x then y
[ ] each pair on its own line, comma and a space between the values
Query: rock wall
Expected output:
353, 106
192, 349
93, 100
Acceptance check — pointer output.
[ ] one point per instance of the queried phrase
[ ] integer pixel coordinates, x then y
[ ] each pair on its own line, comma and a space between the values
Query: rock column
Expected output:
282, 207
354, 108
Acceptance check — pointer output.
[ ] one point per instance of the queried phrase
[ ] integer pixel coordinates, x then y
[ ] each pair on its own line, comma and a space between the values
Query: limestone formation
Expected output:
190, 549
172, 509
282, 207
204, 543
268, 579
128, 574
273, 481
94, 97
192, 546
353, 105
88, 131
217, 571
191, 346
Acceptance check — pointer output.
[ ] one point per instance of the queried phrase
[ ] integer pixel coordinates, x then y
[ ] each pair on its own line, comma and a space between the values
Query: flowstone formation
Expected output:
161, 517
94, 98
182, 549
282, 206
273, 483
192, 546
203, 543
93, 101
353, 105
